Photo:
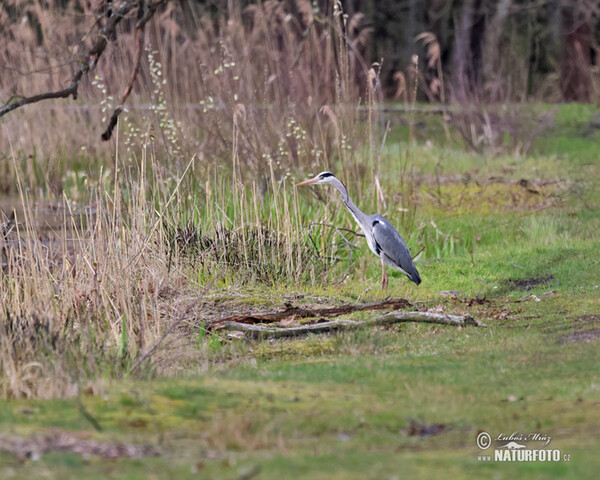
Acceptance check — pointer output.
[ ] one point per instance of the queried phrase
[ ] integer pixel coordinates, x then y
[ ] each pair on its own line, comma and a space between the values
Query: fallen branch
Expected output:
259, 331
297, 312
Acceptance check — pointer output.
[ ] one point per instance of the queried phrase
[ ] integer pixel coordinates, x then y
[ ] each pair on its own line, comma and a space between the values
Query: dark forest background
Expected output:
470, 50
489, 50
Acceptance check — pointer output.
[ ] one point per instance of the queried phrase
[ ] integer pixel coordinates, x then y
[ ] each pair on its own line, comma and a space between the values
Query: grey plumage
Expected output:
383, 239
394, 251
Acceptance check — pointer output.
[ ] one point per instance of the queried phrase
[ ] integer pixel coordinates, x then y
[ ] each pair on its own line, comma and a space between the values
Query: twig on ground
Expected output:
418, 253
298, 312
88, 416
258, 331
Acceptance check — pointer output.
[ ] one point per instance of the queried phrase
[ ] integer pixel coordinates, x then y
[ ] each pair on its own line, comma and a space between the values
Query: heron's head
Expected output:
323, 177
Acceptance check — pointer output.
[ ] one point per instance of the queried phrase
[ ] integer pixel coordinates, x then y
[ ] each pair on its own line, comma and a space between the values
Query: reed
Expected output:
195, 192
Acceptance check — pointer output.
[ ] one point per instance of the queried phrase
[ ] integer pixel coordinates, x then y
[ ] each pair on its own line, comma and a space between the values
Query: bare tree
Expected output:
105, 27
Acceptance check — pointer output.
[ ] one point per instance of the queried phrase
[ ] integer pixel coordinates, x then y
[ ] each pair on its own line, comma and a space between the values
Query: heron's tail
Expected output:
413, 275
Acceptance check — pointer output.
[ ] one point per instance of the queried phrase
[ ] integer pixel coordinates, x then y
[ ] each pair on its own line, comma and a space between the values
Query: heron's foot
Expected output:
384, 279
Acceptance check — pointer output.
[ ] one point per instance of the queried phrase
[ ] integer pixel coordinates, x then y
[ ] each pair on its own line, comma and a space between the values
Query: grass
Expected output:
114, 254
306, 407
310, 415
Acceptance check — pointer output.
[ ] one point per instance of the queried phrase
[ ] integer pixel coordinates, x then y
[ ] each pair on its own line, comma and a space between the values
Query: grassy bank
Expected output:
513, 237
369, 404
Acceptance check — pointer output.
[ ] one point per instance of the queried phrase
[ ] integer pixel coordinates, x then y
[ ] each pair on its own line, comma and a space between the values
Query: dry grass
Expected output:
279, 83
86, 302
192, 194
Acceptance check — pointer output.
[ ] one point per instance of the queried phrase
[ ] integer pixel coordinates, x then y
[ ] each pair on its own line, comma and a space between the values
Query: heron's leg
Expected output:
384, 277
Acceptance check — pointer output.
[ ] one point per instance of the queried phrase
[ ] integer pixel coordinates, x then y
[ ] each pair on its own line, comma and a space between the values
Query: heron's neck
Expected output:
359, 216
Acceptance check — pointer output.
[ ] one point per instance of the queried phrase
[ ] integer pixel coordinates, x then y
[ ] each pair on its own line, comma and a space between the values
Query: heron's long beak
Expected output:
308, 182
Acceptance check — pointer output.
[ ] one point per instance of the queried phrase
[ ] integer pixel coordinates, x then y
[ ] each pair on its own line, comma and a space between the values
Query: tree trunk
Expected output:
576, 64
469, 41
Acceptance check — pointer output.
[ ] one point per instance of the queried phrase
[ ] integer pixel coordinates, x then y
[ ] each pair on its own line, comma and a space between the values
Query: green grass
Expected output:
345, 413
525, 262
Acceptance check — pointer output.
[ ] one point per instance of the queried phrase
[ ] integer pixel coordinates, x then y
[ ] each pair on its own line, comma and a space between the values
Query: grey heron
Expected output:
383, 239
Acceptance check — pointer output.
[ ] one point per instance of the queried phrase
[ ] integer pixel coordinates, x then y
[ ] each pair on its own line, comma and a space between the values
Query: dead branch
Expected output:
88, 416
291, 312
144, 15
112, 123
418, 253
260, 331
93, 54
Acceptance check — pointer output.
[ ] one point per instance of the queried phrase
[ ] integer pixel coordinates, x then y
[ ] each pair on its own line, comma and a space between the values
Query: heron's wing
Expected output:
393, 250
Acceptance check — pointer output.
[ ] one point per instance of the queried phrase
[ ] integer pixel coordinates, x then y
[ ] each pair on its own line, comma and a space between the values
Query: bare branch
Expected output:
418, 253
67, 92
93, 55
259, 331
112, 124
139, 36
145, 13
298, 312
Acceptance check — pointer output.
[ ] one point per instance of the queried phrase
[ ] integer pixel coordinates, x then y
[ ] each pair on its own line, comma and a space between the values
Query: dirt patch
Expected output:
60, 441
530, 283
590, 319
586, 328
421, 429
575, 326
586, 336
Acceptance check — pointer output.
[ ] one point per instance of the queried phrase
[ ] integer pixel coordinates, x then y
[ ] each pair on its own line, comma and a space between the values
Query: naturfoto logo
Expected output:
515, 448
